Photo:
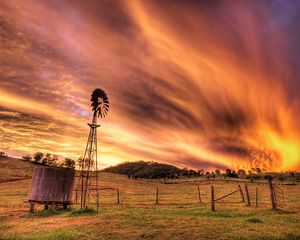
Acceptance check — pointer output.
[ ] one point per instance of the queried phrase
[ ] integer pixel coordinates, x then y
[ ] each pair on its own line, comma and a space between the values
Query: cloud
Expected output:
199, 84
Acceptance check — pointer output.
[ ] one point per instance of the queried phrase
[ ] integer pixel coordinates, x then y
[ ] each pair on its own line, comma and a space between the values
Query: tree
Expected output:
80, 162
192, 173
241, 172
38, 156
218, 172
201, 172
27, 158
2, 154
69, 163
228, 172
234, 174
46, 159
53, 161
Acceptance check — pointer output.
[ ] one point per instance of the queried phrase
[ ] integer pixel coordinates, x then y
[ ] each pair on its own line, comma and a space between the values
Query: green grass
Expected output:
84, 211
45, 213
60, 234
254, 220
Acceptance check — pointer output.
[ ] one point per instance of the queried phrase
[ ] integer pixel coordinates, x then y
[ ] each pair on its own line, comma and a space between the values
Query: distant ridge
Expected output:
141, 169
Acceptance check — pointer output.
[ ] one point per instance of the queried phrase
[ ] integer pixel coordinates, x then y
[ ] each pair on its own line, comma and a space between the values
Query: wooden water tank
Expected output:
52, 185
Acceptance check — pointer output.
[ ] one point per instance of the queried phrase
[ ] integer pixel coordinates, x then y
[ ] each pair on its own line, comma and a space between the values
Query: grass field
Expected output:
179, 215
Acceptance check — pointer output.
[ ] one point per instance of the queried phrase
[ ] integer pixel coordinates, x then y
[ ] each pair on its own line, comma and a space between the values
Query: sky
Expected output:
197, 84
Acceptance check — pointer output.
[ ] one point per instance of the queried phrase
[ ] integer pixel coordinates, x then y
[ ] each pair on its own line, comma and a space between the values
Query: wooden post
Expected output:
199, 194
242, 194
31, 207
274, 194
65, 205
76, 196
213, 199
46, 207
256, 198
97, 200
56, 206
272, 197
157, 195
247, 195
118, 196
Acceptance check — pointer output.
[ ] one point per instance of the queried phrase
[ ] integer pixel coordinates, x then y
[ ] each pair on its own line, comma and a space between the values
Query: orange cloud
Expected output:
199, 84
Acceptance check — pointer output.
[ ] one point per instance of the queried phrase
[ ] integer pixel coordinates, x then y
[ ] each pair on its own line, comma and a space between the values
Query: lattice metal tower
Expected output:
88, 181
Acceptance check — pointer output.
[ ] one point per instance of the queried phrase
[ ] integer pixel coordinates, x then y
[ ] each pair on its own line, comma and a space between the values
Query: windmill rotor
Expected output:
100, 102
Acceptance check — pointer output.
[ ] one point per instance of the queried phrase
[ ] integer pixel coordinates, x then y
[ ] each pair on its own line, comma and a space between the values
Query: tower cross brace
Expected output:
88, 180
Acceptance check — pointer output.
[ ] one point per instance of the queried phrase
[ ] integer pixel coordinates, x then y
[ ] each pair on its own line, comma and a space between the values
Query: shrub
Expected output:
27, 158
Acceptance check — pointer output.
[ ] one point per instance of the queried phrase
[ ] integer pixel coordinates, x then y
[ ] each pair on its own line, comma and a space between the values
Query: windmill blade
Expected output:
102, 106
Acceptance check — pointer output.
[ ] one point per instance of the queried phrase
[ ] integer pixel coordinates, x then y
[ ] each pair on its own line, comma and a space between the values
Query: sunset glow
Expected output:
198, 84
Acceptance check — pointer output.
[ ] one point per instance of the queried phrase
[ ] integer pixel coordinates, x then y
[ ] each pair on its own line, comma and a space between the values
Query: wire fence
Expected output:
225, 193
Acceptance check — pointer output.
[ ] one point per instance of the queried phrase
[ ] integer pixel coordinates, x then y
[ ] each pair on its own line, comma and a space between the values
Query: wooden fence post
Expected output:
118, 196
242, 194
247, 195
76, 196
157, 195
256, 198
199, 194
97, 201
272, 197
31, 207
213, 199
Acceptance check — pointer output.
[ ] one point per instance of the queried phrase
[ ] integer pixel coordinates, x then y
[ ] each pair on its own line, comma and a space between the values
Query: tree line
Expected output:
50, 160
143, 169
153, 170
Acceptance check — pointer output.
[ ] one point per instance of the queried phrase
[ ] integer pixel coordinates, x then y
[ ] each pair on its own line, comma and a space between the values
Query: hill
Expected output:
150, 170
12, 169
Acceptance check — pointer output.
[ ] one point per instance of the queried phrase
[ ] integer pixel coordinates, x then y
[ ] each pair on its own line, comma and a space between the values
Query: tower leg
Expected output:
88, 182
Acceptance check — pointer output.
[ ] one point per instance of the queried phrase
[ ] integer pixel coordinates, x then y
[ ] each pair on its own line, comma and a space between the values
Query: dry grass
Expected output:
178, 215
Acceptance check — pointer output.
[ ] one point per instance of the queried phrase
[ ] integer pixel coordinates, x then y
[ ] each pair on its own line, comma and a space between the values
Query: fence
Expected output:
209, 193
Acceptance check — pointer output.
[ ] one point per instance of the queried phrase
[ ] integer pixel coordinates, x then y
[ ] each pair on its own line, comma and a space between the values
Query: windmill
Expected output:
88, 181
